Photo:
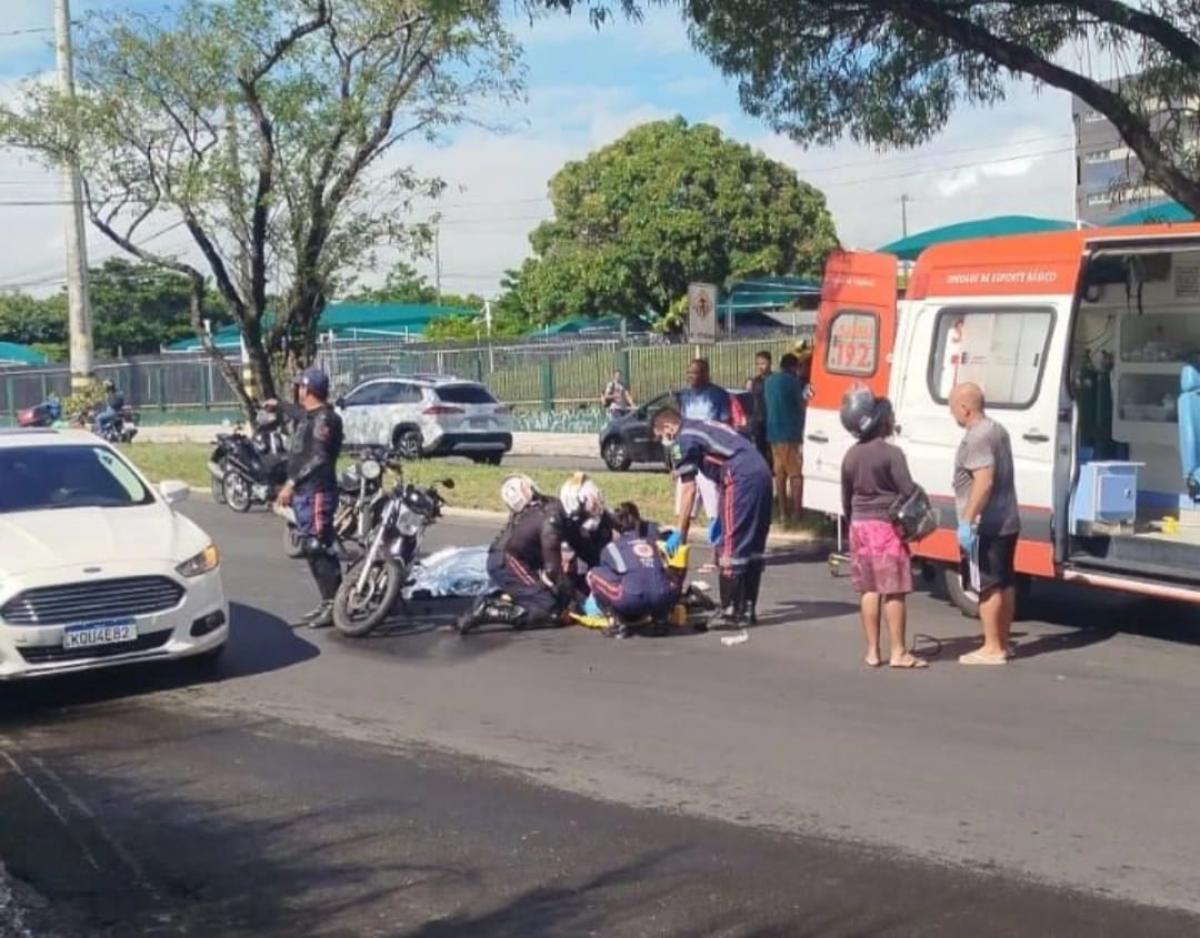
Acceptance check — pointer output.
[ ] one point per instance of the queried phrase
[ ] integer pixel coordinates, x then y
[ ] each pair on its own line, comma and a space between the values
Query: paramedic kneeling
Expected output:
631, 581
702, 447
988, 521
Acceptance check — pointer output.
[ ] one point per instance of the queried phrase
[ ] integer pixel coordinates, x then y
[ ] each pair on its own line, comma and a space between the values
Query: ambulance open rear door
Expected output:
856, 328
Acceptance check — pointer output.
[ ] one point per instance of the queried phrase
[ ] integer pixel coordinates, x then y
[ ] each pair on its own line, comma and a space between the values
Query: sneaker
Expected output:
617, 630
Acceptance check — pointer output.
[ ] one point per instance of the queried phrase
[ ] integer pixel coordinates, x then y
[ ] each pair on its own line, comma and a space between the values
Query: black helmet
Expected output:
861, 412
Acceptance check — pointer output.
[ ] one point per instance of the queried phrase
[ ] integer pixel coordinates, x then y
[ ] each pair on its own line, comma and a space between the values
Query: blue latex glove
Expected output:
591, 607
714, 532
966, 536
674, 541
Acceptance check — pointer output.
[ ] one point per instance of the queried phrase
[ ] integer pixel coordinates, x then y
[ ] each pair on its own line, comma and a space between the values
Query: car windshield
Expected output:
39, 478
465, 394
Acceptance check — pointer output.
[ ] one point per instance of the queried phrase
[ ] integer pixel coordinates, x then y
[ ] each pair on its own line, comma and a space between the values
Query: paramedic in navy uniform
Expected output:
721, 454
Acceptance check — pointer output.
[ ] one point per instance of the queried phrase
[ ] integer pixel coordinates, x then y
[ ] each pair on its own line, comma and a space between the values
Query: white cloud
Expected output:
1017, 158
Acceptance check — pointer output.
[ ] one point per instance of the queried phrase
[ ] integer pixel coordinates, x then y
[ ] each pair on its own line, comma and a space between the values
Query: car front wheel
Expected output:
616, 455
408, 444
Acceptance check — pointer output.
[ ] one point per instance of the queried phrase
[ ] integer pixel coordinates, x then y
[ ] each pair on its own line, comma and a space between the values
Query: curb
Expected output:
775, 539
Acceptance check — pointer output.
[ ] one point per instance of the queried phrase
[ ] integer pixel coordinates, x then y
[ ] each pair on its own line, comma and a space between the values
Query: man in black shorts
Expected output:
989, 522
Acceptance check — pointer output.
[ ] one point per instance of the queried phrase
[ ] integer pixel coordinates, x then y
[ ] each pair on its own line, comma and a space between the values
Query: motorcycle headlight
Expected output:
371, 470
409, 522
204, 562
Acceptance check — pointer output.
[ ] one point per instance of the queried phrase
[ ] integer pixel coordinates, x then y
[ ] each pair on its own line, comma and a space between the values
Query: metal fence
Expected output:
564, 374
189, 387
567, 373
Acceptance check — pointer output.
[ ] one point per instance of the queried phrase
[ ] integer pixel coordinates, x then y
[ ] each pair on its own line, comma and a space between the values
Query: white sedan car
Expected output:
96, 566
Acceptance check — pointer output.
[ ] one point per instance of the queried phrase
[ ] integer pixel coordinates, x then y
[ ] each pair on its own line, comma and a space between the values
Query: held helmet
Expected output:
581, 499
517, 491
860, 412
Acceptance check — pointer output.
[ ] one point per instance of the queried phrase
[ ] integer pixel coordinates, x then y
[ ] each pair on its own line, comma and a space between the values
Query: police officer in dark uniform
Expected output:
311, 487
744, 518
525, 563
631, 580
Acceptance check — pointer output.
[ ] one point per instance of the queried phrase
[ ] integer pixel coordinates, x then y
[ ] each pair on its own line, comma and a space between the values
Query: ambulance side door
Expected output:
1012, 347
856, 326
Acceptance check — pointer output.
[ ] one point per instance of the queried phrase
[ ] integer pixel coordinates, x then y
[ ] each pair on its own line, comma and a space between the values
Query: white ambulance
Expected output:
1082, 341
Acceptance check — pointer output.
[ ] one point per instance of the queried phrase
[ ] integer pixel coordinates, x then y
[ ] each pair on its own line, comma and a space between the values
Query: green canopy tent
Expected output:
13, 353
908, 249
1160, 213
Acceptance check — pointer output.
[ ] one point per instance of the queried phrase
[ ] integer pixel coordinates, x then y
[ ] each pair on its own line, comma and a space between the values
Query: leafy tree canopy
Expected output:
261, 127
136, 309
667, 204
404, 284
891, 72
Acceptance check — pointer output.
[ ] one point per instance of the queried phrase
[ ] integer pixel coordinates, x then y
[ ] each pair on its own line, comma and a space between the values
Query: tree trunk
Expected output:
228, 371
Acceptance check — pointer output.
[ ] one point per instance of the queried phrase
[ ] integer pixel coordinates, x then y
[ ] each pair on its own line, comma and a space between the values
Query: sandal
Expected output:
978, 657
909, 663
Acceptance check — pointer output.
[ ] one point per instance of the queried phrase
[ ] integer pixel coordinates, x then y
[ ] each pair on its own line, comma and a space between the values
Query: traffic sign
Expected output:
702, 312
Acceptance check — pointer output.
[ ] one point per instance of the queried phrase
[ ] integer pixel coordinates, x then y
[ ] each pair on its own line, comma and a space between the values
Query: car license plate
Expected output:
480, 422
109, 632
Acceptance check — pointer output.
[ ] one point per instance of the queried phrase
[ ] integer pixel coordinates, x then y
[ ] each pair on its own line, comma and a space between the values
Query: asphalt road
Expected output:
558, 783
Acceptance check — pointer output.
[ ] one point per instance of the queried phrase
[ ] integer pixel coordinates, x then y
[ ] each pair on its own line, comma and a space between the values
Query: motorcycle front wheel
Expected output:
217, 485
293, 543
237, 491
356, 612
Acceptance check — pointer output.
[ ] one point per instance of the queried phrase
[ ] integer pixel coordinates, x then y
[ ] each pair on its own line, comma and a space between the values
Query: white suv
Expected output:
427, 416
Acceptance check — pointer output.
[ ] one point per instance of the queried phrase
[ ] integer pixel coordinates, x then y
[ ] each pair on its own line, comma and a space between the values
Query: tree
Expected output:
404, 284
261, 128
667, 204
891, 72
138, 308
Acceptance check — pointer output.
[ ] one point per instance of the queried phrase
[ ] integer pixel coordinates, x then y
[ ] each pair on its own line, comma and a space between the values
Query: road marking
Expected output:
51, 806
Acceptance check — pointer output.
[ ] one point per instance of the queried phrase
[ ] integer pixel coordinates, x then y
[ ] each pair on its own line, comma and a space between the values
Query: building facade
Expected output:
1109, 180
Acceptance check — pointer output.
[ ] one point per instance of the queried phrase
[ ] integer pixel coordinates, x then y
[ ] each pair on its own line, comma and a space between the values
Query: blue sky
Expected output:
586, 88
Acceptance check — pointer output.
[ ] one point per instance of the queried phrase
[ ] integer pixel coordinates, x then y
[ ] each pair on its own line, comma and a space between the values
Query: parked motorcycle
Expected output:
269, 442
250, 470
361, 498
372, 586
45, 414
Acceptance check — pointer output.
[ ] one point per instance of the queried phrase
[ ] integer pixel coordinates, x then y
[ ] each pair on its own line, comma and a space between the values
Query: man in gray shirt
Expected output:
989, 521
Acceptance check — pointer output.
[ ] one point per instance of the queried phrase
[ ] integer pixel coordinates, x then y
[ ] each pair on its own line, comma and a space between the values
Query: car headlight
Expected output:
204, 562
371, 470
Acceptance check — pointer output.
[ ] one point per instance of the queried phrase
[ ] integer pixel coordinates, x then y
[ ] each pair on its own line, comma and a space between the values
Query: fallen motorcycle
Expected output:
372, 586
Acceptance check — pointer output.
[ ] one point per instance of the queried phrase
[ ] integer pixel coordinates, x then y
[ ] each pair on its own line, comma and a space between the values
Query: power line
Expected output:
26, 31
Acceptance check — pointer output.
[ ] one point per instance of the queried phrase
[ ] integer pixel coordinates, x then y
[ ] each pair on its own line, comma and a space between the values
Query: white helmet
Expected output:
581, 497
517, 491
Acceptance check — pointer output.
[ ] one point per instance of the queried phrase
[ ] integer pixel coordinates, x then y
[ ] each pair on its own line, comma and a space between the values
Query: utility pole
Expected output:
79, 314
437, 263
904, 200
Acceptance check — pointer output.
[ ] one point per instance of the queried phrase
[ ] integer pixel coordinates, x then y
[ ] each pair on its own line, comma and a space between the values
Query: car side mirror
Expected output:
340, 403
173, 491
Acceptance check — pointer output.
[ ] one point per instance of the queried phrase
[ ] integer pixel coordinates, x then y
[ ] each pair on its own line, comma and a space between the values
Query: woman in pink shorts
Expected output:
874, 474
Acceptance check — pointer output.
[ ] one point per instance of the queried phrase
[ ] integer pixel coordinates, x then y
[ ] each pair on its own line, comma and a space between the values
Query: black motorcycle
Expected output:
372, 586
249, 470
360, 503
